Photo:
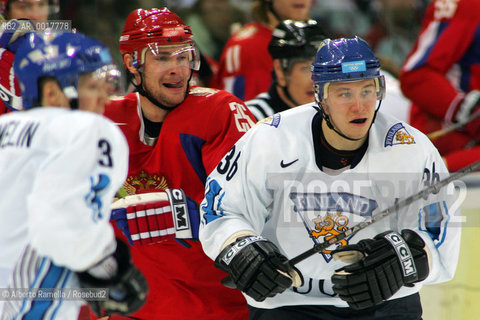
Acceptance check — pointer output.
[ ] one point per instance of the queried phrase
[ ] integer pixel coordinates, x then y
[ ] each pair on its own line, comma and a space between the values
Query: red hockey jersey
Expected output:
183, 283
245, 67
444, 65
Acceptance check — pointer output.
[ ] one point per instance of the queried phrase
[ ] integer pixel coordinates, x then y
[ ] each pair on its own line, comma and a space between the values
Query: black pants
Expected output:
407, 308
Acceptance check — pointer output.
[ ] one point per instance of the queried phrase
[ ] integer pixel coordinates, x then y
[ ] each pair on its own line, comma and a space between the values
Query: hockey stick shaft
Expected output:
402, 203
453, 127
228, 281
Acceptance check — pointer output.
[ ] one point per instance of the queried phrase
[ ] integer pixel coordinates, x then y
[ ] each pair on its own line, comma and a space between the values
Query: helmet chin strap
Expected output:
143, 92
74, 104
275, 14
332, 127
287, 94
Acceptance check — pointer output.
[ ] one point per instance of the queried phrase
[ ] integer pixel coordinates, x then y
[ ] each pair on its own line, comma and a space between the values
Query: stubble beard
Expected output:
169, 101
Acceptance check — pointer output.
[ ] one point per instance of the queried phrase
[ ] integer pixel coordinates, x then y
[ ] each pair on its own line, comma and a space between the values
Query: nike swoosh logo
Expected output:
284, 165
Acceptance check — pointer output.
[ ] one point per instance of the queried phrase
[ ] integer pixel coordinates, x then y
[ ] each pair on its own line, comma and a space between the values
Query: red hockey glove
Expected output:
9, 88
12, 35
157, 216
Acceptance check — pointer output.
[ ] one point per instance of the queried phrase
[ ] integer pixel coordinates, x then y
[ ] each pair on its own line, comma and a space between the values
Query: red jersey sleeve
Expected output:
232, 119
445, 61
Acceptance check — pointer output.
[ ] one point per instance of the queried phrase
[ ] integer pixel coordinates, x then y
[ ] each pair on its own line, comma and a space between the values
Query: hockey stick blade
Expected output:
402, 203
228, 281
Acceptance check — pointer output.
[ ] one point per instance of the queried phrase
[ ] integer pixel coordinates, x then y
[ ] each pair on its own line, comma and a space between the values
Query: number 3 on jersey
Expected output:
242, 121
105, 158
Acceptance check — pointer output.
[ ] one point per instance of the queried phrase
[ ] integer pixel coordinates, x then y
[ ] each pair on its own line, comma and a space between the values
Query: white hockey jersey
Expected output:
270, 183
60, 170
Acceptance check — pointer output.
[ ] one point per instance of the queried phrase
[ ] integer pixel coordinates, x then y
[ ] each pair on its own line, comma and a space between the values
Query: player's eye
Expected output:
162, 58
305, 69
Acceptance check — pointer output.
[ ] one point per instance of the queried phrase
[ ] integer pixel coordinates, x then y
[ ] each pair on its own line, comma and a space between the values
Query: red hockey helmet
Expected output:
155, 28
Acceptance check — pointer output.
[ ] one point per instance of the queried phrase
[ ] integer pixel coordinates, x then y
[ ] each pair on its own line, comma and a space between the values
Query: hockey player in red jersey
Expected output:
245, 67
176, 134
441, 76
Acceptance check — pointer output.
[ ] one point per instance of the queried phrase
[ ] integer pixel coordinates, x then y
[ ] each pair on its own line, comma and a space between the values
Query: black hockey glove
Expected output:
127, 289
257, 267
383, 265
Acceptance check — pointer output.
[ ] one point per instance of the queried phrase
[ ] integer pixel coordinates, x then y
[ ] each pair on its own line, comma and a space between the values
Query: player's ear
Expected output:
325, 107
277, 67
52, 94
128, 62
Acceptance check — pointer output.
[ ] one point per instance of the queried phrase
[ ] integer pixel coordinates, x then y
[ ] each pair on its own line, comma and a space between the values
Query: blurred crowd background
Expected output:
389, 26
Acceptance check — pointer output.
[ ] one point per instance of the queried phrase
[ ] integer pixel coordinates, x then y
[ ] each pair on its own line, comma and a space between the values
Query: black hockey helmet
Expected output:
295, 40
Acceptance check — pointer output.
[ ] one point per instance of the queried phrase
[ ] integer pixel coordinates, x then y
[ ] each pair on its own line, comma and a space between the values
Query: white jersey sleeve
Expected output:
436, 218
60, 170
271, 184
247, 211
241, 190
69, 206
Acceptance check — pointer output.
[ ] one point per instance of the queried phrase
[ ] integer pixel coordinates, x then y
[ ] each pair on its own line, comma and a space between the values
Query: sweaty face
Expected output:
166, 75
36, 10
299, 82
292, 9
351, 107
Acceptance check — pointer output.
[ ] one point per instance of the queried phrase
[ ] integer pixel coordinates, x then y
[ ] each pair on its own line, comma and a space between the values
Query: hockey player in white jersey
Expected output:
310, 173
60, 171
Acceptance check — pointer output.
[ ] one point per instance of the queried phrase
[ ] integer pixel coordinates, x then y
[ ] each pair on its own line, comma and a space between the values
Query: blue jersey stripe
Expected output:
67, 276
51, 279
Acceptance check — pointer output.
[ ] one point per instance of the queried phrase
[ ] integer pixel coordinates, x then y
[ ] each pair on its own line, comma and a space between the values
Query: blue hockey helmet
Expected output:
63, 56
342, 60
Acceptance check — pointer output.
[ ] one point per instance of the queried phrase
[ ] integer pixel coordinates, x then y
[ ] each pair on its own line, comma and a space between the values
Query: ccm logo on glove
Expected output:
154, 217
379, 267
179, 206
403, 252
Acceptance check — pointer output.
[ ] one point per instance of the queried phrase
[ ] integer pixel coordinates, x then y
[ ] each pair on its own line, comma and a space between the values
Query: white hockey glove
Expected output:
157, 216
467, 112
